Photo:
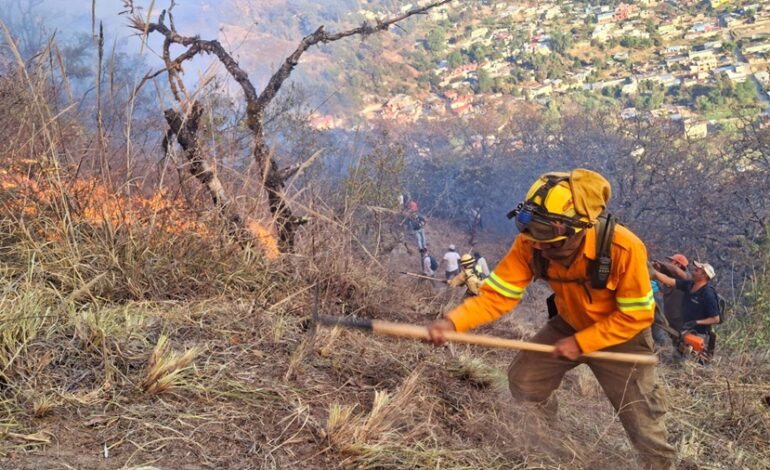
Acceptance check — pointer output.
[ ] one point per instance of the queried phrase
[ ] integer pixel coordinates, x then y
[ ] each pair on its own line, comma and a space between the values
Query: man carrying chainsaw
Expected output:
602, 301
700, 305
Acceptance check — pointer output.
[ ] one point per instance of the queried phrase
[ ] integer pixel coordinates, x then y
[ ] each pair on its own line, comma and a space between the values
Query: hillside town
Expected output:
700, 65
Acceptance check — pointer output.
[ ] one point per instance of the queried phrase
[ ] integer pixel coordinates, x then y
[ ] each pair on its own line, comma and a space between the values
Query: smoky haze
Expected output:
258, 33
33, 22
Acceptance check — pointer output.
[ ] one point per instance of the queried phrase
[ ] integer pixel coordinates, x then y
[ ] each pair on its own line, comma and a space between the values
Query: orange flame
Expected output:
95, 204
266, 239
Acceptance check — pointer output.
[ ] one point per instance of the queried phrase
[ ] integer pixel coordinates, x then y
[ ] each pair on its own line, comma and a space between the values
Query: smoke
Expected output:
259, 33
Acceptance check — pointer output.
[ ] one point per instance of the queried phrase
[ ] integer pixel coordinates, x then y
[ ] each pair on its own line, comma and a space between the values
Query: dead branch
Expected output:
185, 128
274, 179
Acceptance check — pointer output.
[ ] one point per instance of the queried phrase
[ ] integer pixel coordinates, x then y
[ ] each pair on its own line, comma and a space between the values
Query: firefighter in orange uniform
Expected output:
558, 242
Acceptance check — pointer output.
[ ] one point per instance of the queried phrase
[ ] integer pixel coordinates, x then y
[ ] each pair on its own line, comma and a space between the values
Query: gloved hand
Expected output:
690, 325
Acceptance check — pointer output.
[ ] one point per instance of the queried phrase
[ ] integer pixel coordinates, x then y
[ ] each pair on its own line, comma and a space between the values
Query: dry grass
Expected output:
266, 392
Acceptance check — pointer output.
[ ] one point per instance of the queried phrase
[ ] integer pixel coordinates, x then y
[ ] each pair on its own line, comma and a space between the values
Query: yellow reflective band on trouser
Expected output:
503, 288
630, 304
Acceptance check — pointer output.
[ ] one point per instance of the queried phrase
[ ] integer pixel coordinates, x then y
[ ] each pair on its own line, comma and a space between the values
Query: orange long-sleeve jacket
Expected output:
601, 317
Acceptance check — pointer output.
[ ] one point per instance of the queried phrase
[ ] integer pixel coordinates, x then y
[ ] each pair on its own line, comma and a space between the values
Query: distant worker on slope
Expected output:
416, 223
451, 260
481, 265
602, 298
468, 276
429, 266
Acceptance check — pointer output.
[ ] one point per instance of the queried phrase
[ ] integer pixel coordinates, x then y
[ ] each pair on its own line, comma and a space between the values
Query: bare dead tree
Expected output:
273, 177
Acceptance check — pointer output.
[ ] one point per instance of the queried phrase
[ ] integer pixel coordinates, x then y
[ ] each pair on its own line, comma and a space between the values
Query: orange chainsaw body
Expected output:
694, 341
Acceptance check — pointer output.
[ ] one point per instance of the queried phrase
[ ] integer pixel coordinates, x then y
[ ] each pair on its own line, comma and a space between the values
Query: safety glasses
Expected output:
541, 229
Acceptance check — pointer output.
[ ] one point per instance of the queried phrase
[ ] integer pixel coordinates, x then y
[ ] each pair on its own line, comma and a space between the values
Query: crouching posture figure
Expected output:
602, 300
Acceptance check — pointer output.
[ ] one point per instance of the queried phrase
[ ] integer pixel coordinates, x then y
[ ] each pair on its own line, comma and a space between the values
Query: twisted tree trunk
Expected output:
185, 128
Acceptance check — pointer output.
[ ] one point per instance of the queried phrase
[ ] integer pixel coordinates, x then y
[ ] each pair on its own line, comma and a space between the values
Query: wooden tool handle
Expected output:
420, 332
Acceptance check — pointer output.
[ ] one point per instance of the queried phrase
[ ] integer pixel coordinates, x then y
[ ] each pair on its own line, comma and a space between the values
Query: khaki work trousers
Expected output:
631, 388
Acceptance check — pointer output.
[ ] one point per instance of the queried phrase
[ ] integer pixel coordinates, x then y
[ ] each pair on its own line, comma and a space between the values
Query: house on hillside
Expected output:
461, 102
605, 17
402, 108
674, 50
702, 29
756, 47
665, 79
438, 14
737, 73
538, 91
479, 33
704, 62
462, 110
625, 11
669, 31
603, 32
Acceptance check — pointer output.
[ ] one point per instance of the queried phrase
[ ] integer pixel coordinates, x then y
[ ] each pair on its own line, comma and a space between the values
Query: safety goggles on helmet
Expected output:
544, 228
536, 223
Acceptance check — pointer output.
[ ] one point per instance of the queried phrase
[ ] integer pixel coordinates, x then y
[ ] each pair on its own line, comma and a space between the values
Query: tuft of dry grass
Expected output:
42, 406
476, 371
165, 368
25, 311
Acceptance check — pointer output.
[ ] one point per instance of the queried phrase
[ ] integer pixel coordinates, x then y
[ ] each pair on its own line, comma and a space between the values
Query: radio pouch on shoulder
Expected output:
599, 269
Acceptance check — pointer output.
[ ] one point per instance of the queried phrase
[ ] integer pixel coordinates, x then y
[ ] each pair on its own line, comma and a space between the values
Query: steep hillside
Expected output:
104, 372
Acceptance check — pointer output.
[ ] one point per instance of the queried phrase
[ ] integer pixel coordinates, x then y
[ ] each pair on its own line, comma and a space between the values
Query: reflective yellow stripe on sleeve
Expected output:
630, 304
503, 288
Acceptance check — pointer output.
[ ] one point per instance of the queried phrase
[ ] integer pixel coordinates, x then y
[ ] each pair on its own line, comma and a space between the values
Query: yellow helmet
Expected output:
466, 260
548, 213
